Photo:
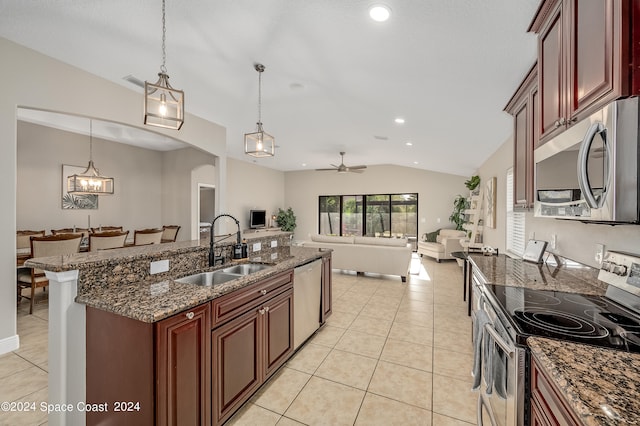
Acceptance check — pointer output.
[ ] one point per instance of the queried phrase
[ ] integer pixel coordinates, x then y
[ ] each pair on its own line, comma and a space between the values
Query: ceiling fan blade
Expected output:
357, 167
326, 170
333, 165
351, 170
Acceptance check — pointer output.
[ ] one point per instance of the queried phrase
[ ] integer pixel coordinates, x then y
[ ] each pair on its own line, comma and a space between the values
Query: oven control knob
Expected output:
606, 266
620, 270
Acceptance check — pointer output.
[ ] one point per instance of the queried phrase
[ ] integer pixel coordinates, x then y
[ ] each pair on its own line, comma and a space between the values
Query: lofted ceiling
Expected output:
335, 80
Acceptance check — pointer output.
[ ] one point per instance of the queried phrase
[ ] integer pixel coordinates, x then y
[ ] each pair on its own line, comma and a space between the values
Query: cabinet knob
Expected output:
189, 315
266, 309
261, 311
263, 292
563, 121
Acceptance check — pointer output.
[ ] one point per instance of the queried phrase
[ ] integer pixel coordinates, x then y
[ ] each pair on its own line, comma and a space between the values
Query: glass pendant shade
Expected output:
259, 143
90, 182
163, 105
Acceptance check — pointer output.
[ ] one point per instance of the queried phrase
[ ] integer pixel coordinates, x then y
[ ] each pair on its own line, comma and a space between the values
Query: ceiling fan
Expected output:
344, 169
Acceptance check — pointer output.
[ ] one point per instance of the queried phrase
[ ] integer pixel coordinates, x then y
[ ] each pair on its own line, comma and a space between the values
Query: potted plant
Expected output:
460, 204
286, 220
472, 183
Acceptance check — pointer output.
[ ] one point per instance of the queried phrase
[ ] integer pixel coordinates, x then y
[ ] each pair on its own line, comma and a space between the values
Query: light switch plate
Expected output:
257, 247
274, 243
159, 266
274, 256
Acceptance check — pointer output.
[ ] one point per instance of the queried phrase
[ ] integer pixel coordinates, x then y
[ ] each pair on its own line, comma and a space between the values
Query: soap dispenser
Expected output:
245, 250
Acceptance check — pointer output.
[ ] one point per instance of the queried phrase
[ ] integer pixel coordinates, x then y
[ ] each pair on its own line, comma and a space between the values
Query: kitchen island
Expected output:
590, 385
95, 296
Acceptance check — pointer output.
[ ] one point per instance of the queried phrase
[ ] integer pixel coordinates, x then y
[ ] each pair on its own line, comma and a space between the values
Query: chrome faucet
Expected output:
212, 257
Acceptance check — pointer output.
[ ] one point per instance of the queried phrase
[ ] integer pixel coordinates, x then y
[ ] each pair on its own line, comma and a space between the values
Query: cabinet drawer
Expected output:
229, 306
549, 400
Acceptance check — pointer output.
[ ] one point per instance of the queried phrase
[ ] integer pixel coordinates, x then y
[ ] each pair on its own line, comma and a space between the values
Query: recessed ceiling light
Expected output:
304, 164
379, 12
415, 162
408, 143
399, 120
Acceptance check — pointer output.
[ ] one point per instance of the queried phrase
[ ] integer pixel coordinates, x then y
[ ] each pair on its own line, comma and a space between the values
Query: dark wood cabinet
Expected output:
236, 364
325, 310
585, 54
523, 105
252, 344
162, 368
182, 368
548, 407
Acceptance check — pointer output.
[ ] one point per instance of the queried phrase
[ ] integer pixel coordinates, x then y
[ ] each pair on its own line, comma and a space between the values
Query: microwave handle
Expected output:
582, 166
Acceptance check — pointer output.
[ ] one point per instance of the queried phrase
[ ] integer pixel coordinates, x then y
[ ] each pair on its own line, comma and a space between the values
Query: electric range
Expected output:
611, 321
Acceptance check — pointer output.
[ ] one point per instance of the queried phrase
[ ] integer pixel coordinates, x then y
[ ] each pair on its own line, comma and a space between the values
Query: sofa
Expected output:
389, 256
446, 242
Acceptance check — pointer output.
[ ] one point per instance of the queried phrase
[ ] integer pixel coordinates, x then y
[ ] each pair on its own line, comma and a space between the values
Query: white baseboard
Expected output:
9, 344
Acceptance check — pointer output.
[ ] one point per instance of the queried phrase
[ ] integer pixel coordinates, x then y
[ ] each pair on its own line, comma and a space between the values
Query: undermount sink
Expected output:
208, 278
222, 275
245, 268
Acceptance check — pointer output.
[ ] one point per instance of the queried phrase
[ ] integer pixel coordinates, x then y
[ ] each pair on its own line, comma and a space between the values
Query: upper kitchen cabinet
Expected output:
523, 105
585, 58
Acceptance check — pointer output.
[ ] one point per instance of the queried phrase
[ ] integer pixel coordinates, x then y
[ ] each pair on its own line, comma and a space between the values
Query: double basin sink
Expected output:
220, 276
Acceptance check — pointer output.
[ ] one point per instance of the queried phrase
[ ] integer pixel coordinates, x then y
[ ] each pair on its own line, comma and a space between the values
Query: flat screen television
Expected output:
257, 219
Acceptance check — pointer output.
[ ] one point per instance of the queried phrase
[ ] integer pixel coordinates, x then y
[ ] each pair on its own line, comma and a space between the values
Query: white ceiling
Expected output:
334, 80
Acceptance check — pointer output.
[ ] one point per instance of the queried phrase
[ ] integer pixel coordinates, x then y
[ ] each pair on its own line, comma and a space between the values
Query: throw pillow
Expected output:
430, 237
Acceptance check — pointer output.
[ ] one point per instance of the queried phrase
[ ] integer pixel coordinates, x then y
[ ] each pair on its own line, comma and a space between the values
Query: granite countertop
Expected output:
570, 277
70, 262
154, 300
594, 381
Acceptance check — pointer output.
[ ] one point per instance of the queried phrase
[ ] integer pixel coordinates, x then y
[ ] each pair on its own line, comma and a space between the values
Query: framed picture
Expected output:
490, 196
76, 201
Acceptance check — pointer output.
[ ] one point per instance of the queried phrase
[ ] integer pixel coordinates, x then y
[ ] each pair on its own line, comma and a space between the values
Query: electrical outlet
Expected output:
599, 252
159, 266
532, 235
274, 243
554, 241
257, 247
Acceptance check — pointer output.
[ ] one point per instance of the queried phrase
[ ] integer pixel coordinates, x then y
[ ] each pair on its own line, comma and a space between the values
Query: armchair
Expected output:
447, 242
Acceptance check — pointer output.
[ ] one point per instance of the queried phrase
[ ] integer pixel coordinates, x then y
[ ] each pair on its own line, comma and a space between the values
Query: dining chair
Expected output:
143, 237
169, 233
84, 231
23, 238
107, 240
45, 246
106, 229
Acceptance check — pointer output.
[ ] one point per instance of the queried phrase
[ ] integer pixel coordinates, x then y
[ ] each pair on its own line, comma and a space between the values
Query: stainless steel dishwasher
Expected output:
307, 287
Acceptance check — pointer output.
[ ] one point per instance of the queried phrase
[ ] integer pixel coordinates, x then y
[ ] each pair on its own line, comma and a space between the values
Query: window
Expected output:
515, 221
369, 215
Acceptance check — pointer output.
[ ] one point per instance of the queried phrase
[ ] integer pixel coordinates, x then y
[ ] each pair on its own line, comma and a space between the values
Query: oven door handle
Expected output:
481, 404
508, 349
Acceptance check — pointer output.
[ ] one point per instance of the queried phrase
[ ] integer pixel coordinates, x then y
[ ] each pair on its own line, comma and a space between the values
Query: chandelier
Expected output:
90, 181
163, 105
259, 143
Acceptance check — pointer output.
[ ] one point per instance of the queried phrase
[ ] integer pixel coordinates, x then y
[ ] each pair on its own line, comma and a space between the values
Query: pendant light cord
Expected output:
91, 140
259, 96
163, 68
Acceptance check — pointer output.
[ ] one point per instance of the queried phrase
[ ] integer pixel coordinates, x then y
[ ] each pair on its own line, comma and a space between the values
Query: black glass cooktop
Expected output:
581, 318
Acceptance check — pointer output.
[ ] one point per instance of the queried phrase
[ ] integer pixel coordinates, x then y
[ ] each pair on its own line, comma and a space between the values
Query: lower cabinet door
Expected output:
278, 325
236, 349
182, 370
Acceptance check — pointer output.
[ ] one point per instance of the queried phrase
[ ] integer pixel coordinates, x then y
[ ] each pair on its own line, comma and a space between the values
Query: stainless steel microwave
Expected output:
590, 171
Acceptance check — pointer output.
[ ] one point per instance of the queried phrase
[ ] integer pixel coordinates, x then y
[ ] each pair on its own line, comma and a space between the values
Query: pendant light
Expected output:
90, 181
259, 143
163, 105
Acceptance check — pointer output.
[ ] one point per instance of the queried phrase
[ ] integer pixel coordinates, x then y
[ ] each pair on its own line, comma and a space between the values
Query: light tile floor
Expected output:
24, 373
392, 353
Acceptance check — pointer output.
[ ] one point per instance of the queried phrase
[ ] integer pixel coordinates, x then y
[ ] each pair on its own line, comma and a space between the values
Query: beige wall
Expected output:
496, 166
253, 187
575, 240
30, 79
436, 192
41, 153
